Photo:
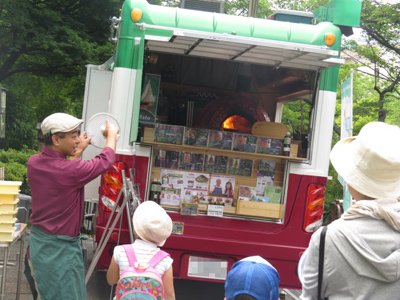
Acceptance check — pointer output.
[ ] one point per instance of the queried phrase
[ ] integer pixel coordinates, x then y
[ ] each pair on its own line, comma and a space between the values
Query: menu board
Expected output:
191, 161
215, 163
240, 167
220, 139
244, 143
196, 137
166, 159
265, 175
169, 134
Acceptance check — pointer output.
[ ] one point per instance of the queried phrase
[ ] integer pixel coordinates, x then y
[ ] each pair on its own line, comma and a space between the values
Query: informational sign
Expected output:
215, 210
346, 127
149, 98
191, 209
177, 228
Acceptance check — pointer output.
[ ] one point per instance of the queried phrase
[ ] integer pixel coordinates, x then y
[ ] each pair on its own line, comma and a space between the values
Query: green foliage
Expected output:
14, 163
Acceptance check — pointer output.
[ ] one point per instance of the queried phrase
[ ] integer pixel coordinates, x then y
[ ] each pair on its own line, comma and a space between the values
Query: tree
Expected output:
44, 47
381, 48
44, 37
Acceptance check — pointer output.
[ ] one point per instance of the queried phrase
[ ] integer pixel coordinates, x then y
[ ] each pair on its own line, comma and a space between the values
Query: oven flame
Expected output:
237, 124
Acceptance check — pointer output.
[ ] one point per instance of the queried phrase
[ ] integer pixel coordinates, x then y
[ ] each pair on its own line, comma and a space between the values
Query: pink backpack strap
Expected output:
157, 258
130, 253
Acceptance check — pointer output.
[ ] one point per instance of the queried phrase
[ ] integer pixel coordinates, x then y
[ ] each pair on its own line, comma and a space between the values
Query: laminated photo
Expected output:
215, 163
220, 139
168, 134
191, 161
166, 159
244, 143
196, 137
240, 167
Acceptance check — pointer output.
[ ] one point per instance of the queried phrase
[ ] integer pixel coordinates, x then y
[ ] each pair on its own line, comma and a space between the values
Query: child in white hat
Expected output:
152, 227
362, 249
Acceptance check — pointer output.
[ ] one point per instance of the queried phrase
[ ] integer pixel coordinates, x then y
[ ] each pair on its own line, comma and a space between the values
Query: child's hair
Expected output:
152, 223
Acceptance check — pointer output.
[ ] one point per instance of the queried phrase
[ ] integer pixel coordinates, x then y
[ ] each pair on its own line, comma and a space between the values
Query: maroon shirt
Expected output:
57, 189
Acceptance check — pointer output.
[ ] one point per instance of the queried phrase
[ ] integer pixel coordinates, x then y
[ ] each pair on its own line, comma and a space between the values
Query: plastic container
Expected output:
6, 236
8, 198
7, 217
10, 187
5, 227
8, 207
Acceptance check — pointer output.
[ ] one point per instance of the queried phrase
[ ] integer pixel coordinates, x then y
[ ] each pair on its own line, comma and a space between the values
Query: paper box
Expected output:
259, 209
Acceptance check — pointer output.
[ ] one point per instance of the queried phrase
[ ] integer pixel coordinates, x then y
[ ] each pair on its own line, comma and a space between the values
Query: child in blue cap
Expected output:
252, 278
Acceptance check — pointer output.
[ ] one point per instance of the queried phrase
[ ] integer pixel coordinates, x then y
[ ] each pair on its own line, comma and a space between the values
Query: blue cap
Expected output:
253, 276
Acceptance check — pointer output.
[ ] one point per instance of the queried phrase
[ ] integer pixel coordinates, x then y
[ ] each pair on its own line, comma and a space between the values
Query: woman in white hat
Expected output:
362, 249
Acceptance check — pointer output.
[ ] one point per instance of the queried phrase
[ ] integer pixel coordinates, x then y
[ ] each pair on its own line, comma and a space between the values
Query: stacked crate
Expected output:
9, 191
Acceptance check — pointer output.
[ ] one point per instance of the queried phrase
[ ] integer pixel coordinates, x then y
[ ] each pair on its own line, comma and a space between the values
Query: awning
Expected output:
242, 49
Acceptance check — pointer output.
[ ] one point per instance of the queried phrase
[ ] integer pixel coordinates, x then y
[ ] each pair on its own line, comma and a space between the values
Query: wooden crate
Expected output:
259, 209
10, 187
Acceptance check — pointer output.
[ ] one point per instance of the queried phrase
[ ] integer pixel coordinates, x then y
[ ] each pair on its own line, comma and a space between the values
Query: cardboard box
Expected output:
259, 209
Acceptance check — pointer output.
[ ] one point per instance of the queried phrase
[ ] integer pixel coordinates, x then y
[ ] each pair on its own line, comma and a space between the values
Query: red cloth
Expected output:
57, 189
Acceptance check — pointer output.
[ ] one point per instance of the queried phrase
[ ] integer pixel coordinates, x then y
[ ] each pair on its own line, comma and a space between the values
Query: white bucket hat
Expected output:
370, 162
60, 122
152, 223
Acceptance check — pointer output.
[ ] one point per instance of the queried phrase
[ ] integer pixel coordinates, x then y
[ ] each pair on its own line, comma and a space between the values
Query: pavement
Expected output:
98, 288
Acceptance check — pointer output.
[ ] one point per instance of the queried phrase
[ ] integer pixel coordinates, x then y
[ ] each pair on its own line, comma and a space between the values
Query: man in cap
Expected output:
362, 249
252, 278
57, 178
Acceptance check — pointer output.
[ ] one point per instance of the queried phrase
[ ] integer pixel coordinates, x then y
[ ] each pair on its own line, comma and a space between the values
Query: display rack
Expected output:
241, 208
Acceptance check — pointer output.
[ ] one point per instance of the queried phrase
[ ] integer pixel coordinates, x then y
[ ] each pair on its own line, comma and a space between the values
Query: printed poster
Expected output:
222, 186
172, 185
149, 98
195, 184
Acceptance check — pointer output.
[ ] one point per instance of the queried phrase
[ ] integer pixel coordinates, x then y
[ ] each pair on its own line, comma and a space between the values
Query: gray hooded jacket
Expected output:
362, 260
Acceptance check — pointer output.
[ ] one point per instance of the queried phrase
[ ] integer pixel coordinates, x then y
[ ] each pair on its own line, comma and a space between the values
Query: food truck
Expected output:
203, 101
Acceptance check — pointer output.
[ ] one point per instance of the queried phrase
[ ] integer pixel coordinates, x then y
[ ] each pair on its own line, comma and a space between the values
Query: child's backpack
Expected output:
141, 280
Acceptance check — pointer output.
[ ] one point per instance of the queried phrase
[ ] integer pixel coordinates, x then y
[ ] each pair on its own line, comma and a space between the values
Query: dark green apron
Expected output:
58, 266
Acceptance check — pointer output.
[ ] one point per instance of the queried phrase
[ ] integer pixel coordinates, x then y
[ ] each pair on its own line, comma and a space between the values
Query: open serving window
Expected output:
219, 119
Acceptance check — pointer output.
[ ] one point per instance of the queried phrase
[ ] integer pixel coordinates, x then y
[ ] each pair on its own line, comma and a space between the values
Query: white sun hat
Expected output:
152, 223
370, 162
60, 122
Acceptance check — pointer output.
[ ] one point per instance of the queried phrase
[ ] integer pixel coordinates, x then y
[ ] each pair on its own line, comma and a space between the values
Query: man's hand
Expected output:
111, 133
84, 142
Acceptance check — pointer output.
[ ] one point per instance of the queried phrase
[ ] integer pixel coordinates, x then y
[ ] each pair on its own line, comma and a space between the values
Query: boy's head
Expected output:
370, 162
252, 278
152, 223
